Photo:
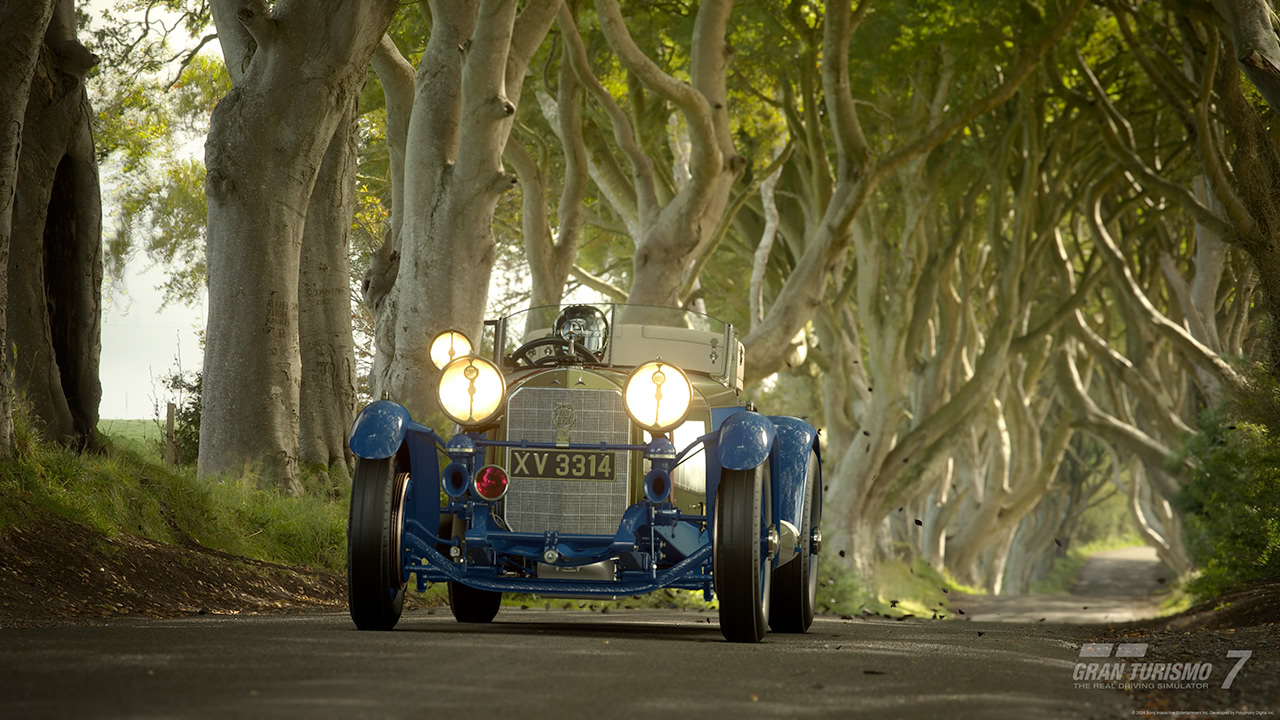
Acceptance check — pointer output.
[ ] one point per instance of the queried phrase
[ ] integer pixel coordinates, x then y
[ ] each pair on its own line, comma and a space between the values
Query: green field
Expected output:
141, 436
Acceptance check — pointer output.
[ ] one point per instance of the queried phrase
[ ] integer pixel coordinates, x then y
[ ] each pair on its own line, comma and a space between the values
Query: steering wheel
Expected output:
523, 356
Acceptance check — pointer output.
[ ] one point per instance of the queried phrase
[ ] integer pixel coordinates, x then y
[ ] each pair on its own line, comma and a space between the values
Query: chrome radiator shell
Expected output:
567, 506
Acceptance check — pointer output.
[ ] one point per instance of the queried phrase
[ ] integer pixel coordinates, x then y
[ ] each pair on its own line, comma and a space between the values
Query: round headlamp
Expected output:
448, 346
657, 396
471, 390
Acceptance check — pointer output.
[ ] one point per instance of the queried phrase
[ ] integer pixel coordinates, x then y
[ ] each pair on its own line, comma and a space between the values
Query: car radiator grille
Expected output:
568, 506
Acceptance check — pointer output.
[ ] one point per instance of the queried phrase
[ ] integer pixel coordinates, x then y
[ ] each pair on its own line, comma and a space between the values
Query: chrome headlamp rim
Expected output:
450, 374
663, 367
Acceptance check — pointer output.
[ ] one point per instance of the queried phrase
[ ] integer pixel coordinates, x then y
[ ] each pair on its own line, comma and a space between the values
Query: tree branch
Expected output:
238, 45
623, 134
1193, 349
1257, 49
695, 107
1219, 183
599, 284
396, 76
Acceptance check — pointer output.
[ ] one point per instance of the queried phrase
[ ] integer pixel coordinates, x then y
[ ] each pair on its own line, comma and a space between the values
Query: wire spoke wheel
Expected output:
743, 564
375, 579
795, 585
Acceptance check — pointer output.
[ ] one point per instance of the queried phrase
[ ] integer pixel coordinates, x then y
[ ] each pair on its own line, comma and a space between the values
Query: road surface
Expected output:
1114, 586
544, 664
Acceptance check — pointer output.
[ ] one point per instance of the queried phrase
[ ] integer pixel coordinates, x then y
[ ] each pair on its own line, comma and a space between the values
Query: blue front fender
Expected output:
745, 440
379, 430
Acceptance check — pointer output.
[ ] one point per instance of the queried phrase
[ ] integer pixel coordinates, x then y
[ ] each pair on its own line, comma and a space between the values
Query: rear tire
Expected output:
795, 585
743, 569
375, 578
470, 605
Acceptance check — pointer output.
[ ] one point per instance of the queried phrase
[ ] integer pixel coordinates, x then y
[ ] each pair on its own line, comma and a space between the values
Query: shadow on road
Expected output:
631, 625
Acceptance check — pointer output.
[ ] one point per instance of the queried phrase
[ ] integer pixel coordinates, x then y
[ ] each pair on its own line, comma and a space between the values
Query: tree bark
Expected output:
22, 28
55, 261
453, 177
327, 394
267, 140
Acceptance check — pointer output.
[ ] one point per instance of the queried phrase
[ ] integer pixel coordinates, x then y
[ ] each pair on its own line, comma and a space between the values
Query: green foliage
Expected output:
152, 107
125, 492
1232, 502
184, 388
166, 211
896, 588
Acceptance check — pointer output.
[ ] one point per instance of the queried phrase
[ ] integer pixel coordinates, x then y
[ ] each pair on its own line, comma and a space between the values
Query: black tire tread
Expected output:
739, 503
374, 596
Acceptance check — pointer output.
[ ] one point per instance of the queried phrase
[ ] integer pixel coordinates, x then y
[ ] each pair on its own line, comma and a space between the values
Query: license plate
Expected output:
562, 465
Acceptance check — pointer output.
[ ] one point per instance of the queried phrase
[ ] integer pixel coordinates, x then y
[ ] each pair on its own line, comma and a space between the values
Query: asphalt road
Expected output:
544, 664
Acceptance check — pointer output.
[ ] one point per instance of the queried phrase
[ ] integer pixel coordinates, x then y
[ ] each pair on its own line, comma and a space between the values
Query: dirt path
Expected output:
1113, 586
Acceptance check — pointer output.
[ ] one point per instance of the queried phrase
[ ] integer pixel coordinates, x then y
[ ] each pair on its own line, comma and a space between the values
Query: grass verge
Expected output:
126, 490
898, 588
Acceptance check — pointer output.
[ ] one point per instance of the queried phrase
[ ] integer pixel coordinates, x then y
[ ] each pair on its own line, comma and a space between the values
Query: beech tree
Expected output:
447, 129
53, 229
22, 30
296, 70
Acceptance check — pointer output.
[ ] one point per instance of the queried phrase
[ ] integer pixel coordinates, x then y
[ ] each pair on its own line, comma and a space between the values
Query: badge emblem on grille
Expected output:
563, 417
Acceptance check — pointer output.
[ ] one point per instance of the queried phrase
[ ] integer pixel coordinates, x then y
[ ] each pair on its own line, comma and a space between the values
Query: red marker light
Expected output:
490, 482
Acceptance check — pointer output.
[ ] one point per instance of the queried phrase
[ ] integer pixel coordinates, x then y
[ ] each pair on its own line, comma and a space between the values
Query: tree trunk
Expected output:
327, 395
295, 71
453, 177
22, 26
55, 261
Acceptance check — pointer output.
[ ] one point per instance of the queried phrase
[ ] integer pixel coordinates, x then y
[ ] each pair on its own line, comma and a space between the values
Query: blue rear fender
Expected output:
795, 447
745, 440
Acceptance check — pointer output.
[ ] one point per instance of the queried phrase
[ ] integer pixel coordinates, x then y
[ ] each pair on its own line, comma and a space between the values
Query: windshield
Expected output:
595, 325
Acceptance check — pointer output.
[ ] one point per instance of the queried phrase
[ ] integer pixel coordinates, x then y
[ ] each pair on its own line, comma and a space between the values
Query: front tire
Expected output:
375, 579
470, 605
795, 587
743, 567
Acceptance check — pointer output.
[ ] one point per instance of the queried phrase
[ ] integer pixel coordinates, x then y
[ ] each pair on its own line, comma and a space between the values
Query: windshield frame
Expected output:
506, 326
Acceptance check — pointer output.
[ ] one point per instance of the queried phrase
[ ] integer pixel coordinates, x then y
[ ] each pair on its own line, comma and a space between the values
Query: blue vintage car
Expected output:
601, 450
